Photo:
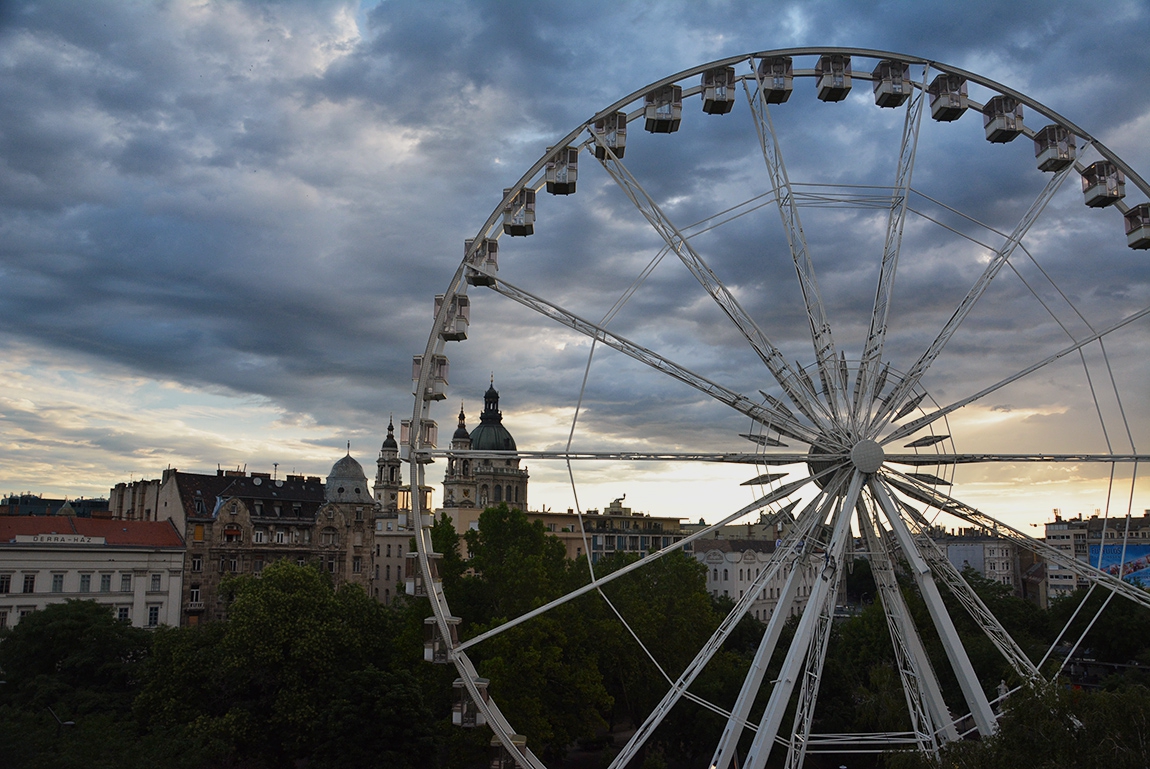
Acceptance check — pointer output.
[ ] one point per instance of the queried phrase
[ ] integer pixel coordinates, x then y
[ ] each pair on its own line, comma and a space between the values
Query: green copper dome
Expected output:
490, 434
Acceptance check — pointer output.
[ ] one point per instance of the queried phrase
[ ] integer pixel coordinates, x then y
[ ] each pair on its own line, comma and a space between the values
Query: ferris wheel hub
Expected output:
867, 456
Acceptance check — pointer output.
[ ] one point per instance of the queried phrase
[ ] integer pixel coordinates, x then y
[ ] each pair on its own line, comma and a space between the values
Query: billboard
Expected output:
1135, 562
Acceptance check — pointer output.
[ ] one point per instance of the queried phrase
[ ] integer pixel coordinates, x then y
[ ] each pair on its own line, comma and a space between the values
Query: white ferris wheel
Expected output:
734, 307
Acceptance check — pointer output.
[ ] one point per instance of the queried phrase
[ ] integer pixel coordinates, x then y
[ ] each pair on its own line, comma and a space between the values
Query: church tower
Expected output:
388, 475
497, 479
459, 480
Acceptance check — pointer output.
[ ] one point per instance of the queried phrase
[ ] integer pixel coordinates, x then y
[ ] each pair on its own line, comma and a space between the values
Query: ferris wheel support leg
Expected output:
968, 681
930, 716
792, 550
725, 750
974, 606
804, 638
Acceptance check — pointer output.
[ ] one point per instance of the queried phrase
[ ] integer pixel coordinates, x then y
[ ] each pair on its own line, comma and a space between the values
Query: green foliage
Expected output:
73, 656
1054, 727
298, 671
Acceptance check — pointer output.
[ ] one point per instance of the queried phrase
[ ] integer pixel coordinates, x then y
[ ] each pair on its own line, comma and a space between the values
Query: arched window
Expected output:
715, 575
391, 474
516, 493
467, 467
725, 575
508, 495
498, 493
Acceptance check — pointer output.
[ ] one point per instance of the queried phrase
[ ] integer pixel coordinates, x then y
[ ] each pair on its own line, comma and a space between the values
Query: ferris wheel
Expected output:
1015, 303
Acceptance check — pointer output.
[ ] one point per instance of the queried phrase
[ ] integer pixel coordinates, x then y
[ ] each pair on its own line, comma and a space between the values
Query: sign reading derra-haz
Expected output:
59, 539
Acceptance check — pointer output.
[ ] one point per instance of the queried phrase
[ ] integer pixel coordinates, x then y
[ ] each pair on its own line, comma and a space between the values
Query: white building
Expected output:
135, 568
732, 566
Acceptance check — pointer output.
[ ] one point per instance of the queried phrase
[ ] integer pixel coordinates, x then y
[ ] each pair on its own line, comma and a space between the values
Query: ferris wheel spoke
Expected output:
930, 717
912, 427
821, 337
808, 403
788, 553
810, 623
774, 496
814, 512
978, 611
944, 503
903, 389
968, 681
764, 413
791, 458
896, 219
923, 460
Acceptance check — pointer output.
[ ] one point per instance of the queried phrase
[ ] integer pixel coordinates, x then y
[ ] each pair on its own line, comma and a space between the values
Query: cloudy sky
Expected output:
222, 226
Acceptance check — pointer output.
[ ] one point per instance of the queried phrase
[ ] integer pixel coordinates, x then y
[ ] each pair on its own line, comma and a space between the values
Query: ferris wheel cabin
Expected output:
1002, 119
413, 575
611, 133
519, 213
486, 257
947, 98
891, 82
458, 317
663, 110
718, 90
437, 379
562, 170
833, 77
1138, 226
1054, 148
435, 646
776, 79
1103, 184
464, 711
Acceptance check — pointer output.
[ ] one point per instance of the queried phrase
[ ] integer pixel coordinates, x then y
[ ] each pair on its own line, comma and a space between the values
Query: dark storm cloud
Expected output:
251, 196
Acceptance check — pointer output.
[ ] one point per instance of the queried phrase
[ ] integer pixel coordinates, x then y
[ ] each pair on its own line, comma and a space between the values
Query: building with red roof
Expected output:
135, 568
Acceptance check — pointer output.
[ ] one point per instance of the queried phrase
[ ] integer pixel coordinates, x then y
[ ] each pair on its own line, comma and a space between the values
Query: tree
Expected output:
263, 685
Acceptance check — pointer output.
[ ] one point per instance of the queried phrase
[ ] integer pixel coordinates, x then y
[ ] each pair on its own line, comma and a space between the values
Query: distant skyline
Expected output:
222, 227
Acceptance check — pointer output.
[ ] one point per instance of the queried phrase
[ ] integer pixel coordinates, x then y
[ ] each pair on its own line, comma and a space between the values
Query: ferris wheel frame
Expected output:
850, 439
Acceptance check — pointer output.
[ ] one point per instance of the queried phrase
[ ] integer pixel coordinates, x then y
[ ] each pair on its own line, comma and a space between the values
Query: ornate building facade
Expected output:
484, 481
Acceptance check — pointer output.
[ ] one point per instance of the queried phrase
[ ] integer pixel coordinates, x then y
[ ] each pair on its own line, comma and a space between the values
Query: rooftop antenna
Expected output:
275, 470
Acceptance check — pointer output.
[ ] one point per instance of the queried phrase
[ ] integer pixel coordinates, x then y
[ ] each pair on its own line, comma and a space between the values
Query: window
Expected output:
233, 564
259, 536
125, 583
359, 513
5, 583
296, 509
57, 583
153, 616
122, 614
198, 532
155, 587
29, 583
233, 534
389, 572
85, 583
105, 583
726, 576
3, 619
194, 594
197, 563
399, 551
281, 536
258, 565
357, 565
389, 551
331, 564
259, 508
329, 536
